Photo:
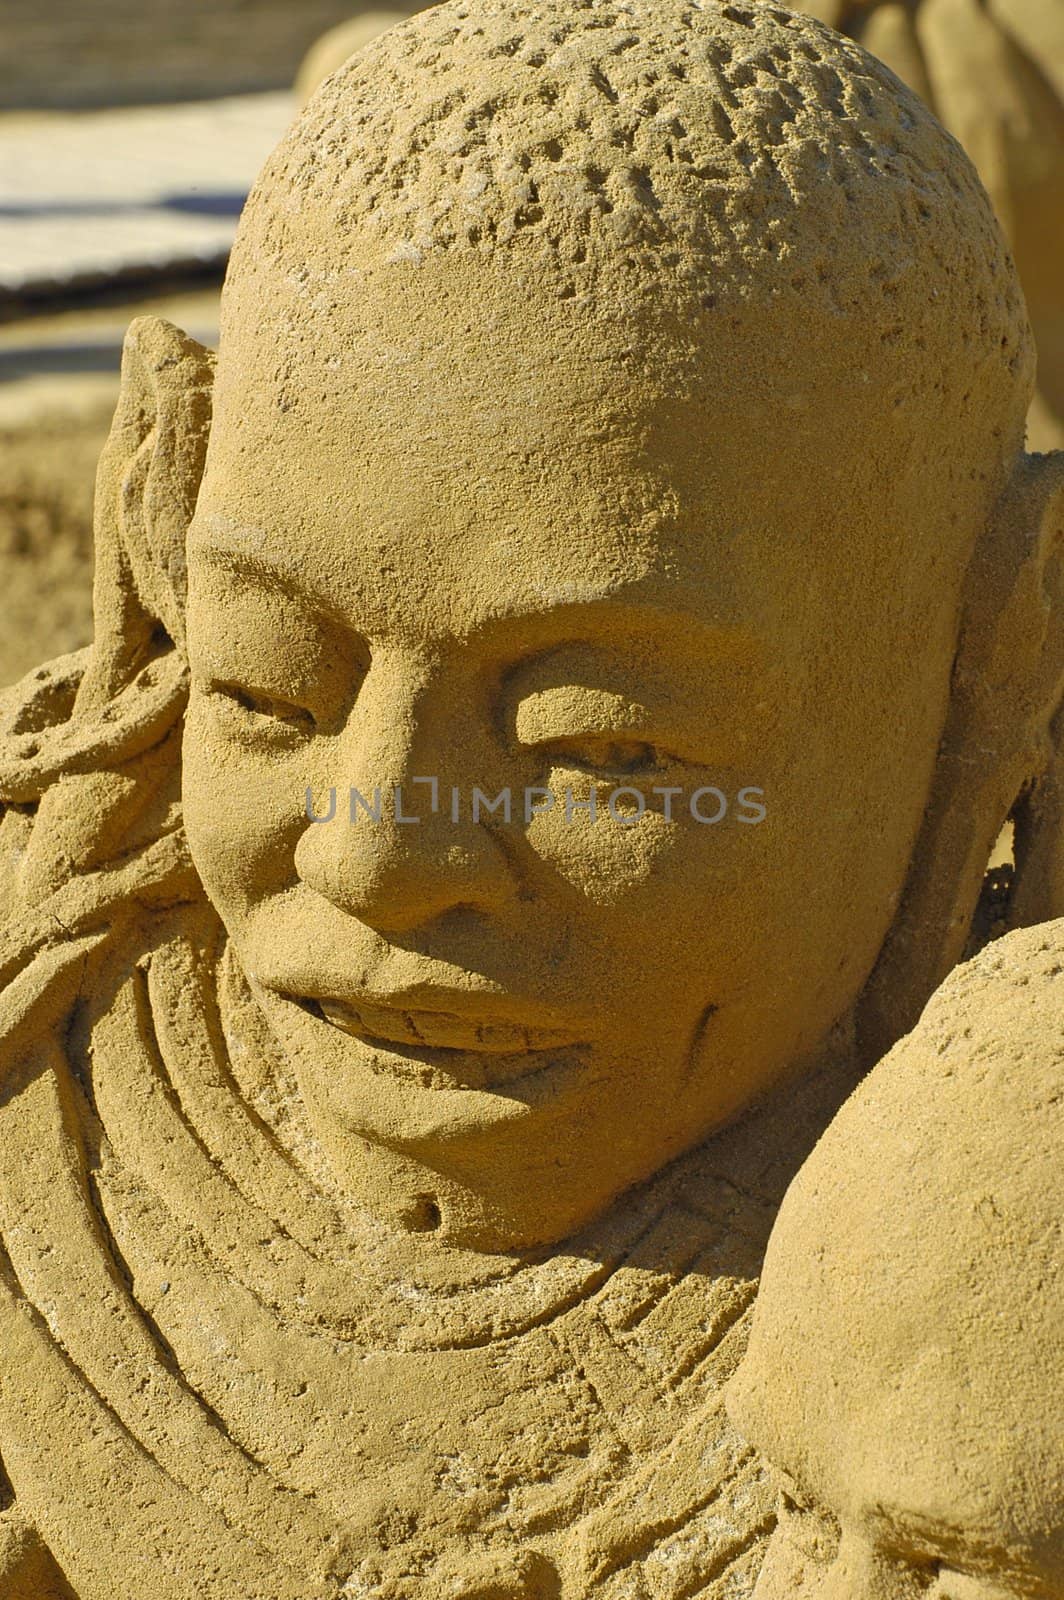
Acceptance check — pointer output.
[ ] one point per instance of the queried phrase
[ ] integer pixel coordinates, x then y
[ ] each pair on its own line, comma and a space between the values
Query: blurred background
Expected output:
130, 132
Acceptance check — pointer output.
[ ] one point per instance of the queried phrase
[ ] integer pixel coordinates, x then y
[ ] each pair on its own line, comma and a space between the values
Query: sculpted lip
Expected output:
439, 1030
441, 1049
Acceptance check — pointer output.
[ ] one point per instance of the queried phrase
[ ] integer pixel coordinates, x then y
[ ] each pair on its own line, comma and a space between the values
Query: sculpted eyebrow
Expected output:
673, 628
555, 627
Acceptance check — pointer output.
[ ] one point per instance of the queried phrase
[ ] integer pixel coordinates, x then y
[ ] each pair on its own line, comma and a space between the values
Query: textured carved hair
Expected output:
703, 146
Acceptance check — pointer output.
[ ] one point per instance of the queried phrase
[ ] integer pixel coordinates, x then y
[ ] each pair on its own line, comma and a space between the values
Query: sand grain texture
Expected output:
608, 407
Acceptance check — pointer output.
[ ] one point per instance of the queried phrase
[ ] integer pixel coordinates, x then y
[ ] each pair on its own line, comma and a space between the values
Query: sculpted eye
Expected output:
256, 706
608, 757
600, 733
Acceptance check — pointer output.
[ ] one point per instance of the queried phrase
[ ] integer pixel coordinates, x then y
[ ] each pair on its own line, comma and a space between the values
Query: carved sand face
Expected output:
930, 1501
462, 533
903, 1377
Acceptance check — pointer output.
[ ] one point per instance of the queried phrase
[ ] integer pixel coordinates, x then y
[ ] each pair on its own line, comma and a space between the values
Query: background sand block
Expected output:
906, 1361
335, 47
133, 52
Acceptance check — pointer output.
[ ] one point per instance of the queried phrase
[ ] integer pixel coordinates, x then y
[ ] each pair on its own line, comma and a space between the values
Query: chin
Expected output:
486, 1150
503, 1206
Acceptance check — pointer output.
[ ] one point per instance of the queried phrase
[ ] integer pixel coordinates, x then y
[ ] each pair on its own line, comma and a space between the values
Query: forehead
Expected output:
470, 431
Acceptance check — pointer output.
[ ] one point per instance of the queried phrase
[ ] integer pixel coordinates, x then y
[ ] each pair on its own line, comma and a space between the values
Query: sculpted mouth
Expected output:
440, 1030
439, 1049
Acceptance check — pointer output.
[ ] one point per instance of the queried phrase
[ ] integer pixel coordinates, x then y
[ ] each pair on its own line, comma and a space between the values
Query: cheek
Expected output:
673, 915
727, 885
610, 860
622, 844
243, 812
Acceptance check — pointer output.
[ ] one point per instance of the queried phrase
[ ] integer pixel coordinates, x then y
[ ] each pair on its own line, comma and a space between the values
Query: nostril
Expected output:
395, 878
423, 1216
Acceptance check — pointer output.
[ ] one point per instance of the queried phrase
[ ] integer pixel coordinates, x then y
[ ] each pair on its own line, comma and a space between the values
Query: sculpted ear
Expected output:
146, 487
1001, 757
1038, 890
94, 738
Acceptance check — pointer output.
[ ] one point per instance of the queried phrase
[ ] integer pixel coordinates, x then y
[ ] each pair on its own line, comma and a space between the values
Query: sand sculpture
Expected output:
611, 406
339, 44
905, 1372
994, 72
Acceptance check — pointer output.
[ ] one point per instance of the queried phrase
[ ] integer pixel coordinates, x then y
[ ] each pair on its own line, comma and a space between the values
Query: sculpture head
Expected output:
630, 399
903, 1376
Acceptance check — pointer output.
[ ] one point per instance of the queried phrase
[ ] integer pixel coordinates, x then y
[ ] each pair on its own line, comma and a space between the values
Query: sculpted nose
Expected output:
403, 752
397, 875
861, 1573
